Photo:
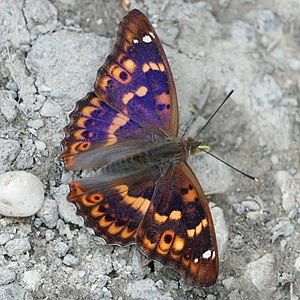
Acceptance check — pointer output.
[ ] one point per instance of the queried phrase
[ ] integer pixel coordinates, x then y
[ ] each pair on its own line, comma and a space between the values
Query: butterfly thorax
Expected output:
154, 155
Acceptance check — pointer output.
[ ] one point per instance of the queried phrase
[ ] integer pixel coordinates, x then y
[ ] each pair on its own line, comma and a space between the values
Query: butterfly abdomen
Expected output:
156, 155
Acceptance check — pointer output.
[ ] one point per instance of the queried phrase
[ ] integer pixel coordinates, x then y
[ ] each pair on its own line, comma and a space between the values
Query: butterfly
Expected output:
144, 192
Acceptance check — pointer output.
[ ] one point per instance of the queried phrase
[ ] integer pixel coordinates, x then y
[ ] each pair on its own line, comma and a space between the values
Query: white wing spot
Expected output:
213, 254
151, 33
147, 39
206, 254
196, 260
135, 41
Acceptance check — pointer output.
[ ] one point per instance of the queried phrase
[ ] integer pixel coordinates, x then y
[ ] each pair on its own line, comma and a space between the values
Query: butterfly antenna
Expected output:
232, 167
223, 102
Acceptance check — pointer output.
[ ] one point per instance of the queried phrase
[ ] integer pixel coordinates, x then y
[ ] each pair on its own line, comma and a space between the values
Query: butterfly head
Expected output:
192, 146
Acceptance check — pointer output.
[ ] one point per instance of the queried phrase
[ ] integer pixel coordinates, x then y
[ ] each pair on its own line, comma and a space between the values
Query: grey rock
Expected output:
67, 211
239, 208
17, 246
243, 33
267, 21
145, 289
75, 53
70, 260
61, 249
297, 263
41, 16
12, 291
262, 273
13, 23
266, 90
221, 229
25, 83
8, 105
284, 228
229, 282
289, 190
6, 275
251, 205
36, 123
24, 161
237, 241
31, 280
5, 237
9, 151
40, 146
50, 109
49, 213
234, 295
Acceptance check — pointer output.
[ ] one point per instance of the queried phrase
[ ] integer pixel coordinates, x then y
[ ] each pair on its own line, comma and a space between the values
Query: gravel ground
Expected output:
49, 54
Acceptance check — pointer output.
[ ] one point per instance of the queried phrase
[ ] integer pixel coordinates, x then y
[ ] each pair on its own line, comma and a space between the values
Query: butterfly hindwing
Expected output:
177, 229
136, 78
113, 206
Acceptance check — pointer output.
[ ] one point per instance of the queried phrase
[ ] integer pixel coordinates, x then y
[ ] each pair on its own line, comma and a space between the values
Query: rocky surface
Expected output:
49, 54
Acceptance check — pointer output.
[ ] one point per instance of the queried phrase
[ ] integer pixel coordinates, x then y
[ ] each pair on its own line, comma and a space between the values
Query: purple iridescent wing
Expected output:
136, 79
97, 135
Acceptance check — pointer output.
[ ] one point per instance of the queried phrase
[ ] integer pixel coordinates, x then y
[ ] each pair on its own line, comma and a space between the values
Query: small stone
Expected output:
13, 25
251, 205
41, 16
159, 284
297, 264
221, 229
9, 151
36, 124
8, 105
267, 21
24, 161
31, 280
49, 235
50, 109
49, 213
6, 275
40, 146
12, 291
4, 238
61, 249
239, 208
262, 272
234, 295
145, 289
274, 159
21, 194
17, 247
284, 228
285, 278
70, 260
228, 282
237, 241
210, 297
288, 188
243, 33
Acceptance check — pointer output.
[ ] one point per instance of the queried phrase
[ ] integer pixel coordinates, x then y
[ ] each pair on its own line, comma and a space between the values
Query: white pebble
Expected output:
21, 194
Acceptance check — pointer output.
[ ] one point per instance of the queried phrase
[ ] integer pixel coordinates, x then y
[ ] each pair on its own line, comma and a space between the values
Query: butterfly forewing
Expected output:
136, 78
177, 229
96, 131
